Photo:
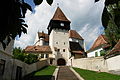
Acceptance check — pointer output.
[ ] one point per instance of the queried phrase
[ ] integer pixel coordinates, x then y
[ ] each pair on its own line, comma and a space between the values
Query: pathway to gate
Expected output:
65, 73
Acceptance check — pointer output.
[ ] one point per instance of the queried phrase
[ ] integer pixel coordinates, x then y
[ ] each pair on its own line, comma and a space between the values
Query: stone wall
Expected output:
11, 66
95, 64
111, 65
8, 65
114, 63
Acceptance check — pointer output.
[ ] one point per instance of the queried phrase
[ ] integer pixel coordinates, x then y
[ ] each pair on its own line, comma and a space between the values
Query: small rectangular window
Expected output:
61, 24
42, 55
46, 56
64, 43
63, 50
2, 66
56, 42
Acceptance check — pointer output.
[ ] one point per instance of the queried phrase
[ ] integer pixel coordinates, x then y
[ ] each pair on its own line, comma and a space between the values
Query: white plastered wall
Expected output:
60, 39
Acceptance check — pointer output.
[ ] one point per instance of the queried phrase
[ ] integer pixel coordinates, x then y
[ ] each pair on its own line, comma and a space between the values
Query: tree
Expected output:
25, 57
111, 20
12, 17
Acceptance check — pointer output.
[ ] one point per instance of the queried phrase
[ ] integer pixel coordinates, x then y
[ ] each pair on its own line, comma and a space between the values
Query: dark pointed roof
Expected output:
59, 15
76, 48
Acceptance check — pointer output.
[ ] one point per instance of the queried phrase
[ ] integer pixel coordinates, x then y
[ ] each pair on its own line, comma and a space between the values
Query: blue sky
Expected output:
30, 2
85, 17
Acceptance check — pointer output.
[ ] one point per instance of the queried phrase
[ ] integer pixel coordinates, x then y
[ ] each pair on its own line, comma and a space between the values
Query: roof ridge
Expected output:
103, 37
59, 15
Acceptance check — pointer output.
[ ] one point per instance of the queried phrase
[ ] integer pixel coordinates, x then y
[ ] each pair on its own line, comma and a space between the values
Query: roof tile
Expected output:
74, 34
38, 49
59, 15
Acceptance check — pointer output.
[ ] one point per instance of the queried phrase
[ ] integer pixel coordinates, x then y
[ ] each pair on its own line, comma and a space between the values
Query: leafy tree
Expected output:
12, 17
25, 57
102, 53
111, 20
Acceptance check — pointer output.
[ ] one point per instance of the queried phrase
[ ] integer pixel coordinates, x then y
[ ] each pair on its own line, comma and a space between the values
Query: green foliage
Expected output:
92, 75
12, 19
102, 53
113, 33
25, 57
13, 22
96, 54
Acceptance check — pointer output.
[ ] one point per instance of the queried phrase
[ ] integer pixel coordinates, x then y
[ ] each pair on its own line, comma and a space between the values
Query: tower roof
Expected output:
59, 15
74, 34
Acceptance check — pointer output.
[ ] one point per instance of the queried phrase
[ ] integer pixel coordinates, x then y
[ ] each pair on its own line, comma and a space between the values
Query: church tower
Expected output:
58, 31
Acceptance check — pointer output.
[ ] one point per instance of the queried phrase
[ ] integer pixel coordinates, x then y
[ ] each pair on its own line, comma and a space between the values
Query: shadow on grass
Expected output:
31, 76
44, 77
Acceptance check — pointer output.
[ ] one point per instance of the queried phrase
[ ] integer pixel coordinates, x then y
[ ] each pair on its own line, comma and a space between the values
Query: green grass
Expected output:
45, 71
92, 75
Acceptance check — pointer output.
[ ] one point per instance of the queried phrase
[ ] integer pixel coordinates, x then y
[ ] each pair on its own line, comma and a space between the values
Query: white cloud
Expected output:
85, 17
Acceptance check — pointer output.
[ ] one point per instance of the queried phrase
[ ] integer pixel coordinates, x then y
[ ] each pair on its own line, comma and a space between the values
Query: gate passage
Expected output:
61, 62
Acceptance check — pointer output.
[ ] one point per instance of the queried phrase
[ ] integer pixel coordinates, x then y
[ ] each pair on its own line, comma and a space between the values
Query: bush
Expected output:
25, 57
102, 53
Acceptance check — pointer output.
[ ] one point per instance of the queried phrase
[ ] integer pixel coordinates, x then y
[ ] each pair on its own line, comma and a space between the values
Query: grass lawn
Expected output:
92, 75
49, 70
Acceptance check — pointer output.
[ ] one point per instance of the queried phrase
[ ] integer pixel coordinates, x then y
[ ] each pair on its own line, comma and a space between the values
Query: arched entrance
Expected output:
61, 62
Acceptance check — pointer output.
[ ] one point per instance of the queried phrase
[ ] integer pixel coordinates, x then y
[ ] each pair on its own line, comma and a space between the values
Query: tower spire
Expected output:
59, 15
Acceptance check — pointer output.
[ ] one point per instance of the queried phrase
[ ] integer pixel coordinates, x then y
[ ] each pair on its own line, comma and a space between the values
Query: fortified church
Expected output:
61, 45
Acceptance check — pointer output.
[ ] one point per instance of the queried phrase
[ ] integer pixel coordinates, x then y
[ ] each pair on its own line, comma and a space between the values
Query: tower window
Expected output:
58, 50
61, 24
63, 50
64, 43
56, 42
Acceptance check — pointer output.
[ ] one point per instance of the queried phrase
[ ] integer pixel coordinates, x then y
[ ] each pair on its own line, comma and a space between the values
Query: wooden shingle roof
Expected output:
116, 48
74, 34
59, 15
114, 52
38, 49
101, 41
43, 35
76, 48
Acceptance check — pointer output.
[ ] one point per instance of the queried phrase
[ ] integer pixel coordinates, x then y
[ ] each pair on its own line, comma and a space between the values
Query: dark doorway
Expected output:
61, 62
19, 73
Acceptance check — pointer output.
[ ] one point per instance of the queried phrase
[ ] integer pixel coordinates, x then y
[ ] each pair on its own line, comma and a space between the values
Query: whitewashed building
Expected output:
60, 44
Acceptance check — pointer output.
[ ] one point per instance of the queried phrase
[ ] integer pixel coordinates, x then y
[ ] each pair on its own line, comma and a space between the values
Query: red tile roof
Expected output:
59, 15
74, 34
43, 35
38, 49
101, 41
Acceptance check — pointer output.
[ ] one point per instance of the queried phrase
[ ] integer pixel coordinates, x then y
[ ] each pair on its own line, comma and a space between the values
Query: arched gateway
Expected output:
61, 62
